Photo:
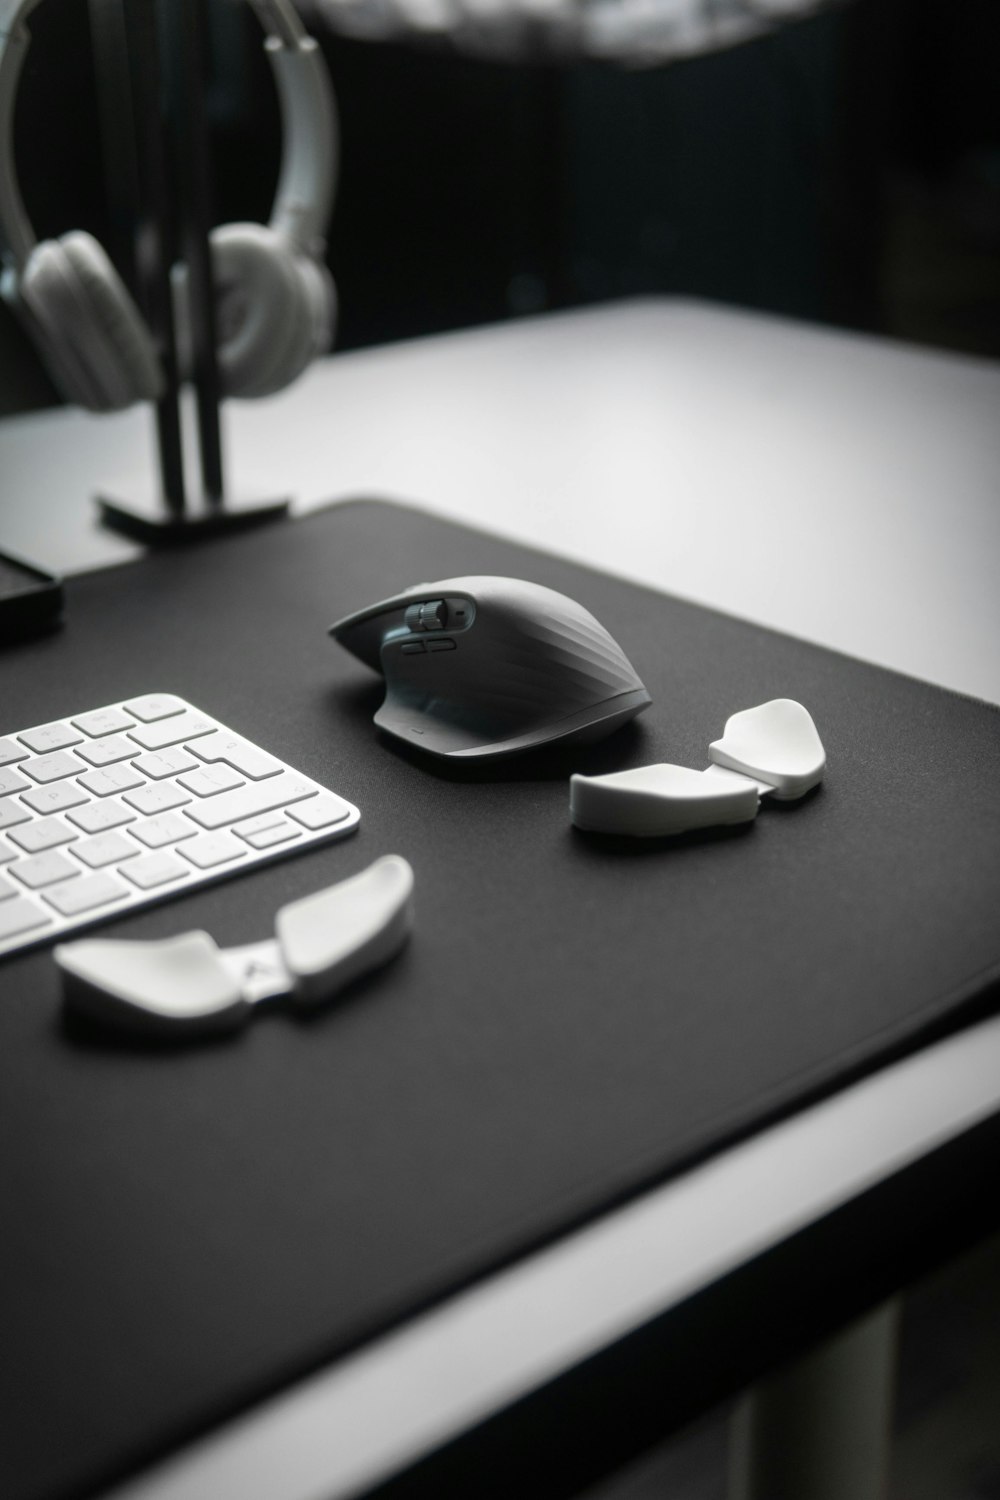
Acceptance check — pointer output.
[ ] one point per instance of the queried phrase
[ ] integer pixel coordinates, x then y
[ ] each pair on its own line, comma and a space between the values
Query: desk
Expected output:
835, 487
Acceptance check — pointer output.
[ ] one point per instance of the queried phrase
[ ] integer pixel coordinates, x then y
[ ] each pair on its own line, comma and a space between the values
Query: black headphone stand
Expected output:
151, 62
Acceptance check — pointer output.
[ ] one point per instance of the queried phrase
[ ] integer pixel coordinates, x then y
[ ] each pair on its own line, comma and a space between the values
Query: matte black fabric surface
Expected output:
185, 1229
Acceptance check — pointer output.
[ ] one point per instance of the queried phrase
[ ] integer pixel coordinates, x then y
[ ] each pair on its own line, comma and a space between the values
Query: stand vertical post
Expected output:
157, 64
127, 63
191, 147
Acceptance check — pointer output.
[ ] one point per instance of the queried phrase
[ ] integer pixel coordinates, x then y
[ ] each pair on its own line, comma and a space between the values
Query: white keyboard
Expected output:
111, 809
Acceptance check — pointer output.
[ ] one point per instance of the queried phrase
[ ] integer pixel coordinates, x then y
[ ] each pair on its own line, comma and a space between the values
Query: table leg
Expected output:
820, 1428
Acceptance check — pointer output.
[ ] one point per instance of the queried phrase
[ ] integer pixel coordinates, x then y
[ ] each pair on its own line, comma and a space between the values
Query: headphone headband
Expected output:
303, 199
17, 239
307, 179
279, 21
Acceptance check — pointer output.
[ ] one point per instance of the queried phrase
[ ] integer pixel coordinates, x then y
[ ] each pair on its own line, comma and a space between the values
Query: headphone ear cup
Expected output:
264, 312
88, 329
321, 296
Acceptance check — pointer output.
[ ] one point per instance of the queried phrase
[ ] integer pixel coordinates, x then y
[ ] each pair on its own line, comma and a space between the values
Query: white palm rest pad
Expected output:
772, 750
187, 984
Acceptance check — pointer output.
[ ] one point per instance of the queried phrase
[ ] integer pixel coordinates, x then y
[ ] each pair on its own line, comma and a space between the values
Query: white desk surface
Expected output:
840, 488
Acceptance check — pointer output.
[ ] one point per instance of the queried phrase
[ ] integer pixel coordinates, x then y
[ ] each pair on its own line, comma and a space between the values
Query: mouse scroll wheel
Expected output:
430, 615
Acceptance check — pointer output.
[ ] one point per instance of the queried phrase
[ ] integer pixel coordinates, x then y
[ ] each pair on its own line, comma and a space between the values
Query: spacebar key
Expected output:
244, 801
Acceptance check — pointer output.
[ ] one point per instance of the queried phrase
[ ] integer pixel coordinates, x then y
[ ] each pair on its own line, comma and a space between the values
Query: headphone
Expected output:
275, 299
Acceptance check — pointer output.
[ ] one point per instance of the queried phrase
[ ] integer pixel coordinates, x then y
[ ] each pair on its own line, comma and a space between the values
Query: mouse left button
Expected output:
363, 632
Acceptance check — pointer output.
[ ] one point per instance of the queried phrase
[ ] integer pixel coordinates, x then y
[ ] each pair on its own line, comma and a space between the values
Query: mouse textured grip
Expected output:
485, 666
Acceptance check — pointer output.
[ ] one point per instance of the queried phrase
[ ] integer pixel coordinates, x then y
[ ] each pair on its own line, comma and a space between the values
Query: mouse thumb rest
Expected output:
485, 667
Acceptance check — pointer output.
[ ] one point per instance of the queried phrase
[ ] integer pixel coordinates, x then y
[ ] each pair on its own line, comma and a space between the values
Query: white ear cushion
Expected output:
117, 316
263, 315
39, 288
98, 347
289, 356
321, 295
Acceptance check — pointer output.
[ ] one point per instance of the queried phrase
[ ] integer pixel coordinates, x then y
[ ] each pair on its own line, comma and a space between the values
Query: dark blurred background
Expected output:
843, 169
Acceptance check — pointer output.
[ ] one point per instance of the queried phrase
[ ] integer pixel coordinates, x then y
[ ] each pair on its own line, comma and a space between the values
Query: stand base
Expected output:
149, 521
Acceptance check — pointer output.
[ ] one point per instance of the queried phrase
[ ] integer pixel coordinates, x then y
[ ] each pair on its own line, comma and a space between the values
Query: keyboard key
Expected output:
85, 893
155, 869
21, 916
107, 751
6, 889
213, 849
98, 816
50, 737
171, 731
54, 798
159, 763
11, 812
321, 812
259, 824
103, 721
11, 781
8, 852
44, 869
209, 780
258, 797
43, 833
266, 838
106, 849
10, 751
239, 754
54, 767
111, 779
156, 799
153, 706
167, 828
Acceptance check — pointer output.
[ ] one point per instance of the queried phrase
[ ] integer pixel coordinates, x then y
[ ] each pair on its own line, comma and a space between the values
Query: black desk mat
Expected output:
184, 1230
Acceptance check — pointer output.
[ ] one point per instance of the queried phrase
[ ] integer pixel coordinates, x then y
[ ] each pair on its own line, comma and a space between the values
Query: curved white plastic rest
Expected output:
332, 938
771, 750
661, 799
776, 743
186, 983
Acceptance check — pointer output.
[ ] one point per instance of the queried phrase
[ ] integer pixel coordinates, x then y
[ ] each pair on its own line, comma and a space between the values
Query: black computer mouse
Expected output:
478, 667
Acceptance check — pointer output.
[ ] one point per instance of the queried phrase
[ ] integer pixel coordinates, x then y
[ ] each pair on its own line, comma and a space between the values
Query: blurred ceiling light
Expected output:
631, 32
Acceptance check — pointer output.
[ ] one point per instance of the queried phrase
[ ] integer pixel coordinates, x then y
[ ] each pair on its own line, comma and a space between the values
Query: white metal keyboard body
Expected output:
120, 806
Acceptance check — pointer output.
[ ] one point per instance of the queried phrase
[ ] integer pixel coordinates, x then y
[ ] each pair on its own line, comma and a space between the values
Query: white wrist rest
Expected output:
178, 982
777, 743
329, 939
772, 750
660, 799
186, 983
